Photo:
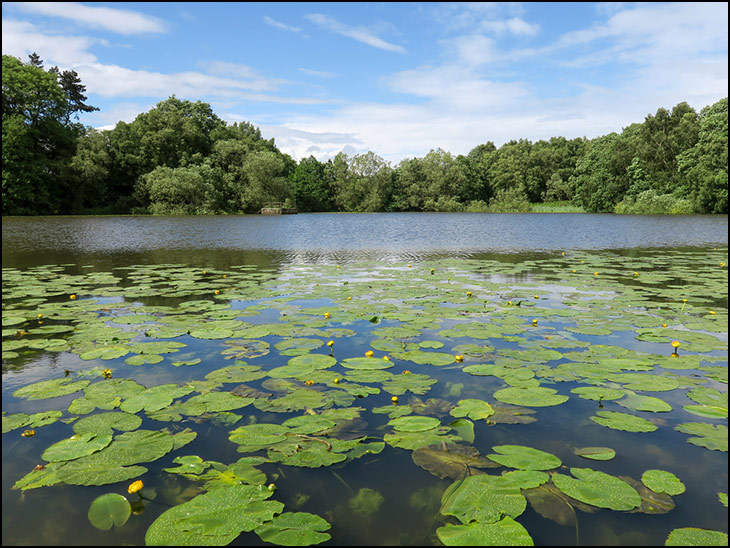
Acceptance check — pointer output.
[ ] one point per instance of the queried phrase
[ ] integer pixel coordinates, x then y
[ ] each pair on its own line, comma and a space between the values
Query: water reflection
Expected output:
339, 237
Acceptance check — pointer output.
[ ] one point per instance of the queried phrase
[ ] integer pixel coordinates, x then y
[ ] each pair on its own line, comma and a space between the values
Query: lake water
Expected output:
518, 288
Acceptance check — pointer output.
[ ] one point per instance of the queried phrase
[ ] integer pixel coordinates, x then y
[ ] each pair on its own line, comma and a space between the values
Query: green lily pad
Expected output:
713, 437
482, 498
414, 424
109, 510
50, 389
524, 458
214, 518
598, 489
595, 453
366, 363
692, 536
472, 408
623, 421
531, 397
78, 445
661, 481
505, 532
294, 529
297, 347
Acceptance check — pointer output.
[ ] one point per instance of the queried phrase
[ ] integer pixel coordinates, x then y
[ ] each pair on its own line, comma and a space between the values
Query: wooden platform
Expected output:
277, 208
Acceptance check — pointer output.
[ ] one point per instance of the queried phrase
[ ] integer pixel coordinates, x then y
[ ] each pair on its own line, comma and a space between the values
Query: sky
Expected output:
397, 79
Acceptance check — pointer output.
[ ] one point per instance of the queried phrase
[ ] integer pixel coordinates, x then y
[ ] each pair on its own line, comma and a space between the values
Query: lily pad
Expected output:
595, 453
414, 424
505, 532
109, 510
693, 536
661, 481
524, 458
294, 529
531, 397
482, 498
472, 408
214, 518
623, 421
598, 489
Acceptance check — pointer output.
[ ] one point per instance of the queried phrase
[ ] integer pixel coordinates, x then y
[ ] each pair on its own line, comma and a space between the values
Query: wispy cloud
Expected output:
274, 23
317, 73
21, 38
360, 34
111, 19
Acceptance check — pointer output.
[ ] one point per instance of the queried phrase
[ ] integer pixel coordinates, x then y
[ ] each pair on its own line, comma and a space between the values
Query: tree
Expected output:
310, 187
39, 137
703, 168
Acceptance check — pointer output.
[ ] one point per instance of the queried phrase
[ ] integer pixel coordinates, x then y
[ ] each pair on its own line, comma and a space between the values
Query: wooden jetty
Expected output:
277, 208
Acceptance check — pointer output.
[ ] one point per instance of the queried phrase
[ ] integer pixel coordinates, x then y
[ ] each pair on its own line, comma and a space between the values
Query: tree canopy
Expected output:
181, 158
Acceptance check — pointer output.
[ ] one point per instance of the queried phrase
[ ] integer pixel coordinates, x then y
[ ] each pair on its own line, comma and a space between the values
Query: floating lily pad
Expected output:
505, 532
692, 536
414, 424
595, 453
661, 481
598, 489
78, 445
623, 421
214, 518
482, 498
713, 437
294, 529
472, 408
531, 397
524, 458
109, 510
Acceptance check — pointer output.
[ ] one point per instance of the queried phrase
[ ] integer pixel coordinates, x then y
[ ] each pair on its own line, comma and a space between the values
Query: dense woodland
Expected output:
180, 158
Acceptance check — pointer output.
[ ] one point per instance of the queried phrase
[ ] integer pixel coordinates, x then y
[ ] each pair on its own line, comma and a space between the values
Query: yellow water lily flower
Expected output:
330, 343
406, 372
107, 373
336, 380
28, 433
534, 321
135, 486
326, 315
217, 292
459, 358
386, 358
468, 293
394, 399
369, 354
675, 344
72, 296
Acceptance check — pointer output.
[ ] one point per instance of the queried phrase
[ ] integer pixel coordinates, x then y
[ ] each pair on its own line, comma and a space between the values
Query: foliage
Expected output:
181, 158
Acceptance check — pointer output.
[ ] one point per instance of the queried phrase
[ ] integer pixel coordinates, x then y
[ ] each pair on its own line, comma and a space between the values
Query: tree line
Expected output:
181, 158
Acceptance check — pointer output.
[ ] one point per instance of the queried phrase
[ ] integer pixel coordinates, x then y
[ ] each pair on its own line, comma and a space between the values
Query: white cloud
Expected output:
21, 38
274, 23
317, 73
360, 34
513, 25
112, 19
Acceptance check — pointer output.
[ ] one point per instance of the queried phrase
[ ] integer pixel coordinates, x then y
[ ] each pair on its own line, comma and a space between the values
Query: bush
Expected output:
651, 203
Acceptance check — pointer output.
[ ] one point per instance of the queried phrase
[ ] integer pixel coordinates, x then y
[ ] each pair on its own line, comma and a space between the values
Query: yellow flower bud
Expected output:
135, 486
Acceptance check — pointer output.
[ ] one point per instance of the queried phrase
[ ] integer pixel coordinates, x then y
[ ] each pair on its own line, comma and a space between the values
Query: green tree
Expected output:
361, 183
39, 136
191, 190
703, 168
310, 187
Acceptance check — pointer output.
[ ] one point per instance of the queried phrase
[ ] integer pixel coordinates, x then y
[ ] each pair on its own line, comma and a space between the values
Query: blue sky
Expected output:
398, 79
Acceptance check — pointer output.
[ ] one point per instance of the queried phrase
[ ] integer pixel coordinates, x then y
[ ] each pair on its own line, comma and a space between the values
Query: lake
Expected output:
365, 379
